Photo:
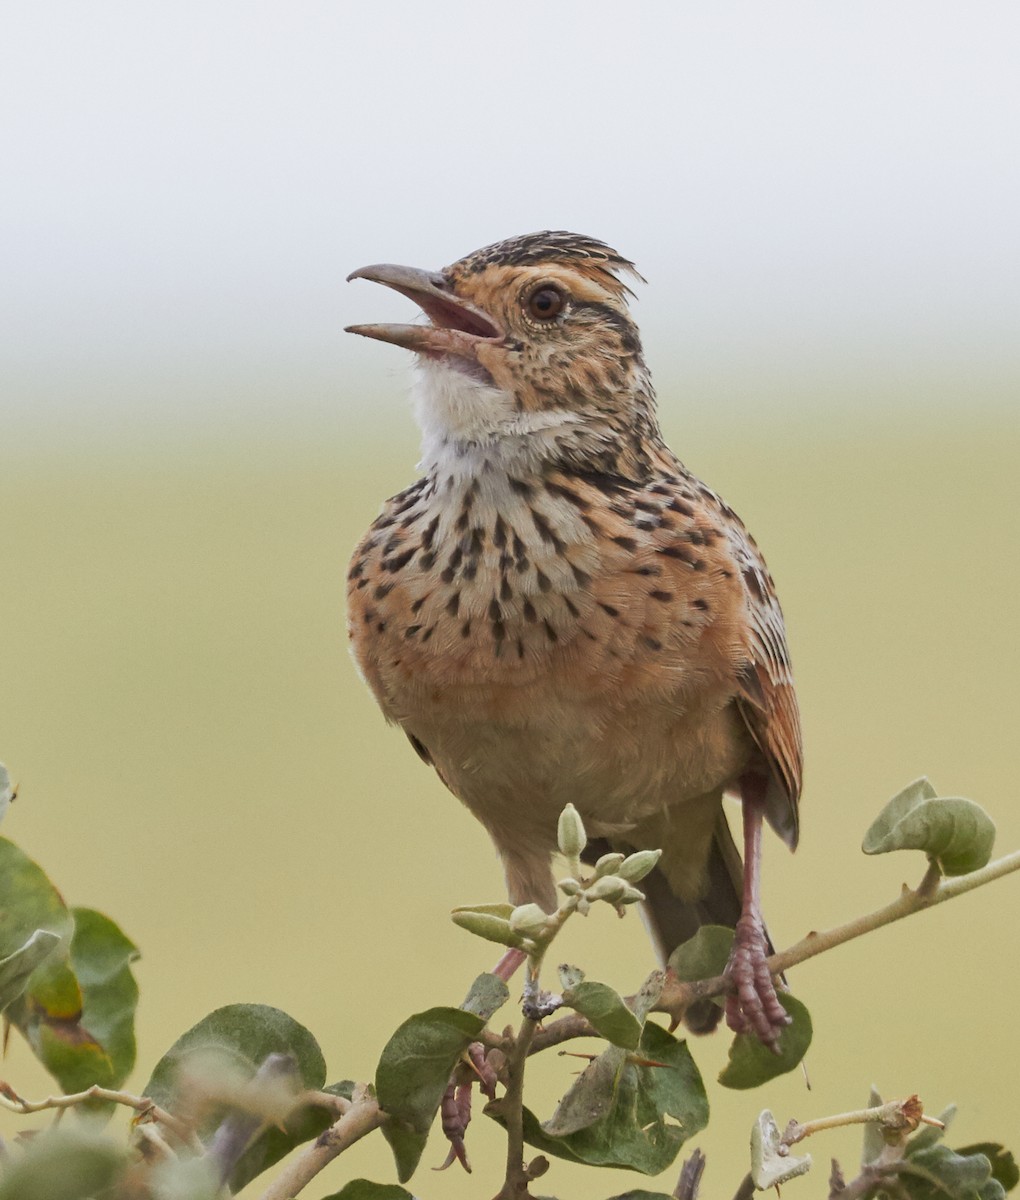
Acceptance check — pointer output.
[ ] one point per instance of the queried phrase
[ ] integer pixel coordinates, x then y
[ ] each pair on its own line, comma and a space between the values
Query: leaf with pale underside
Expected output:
770, 1167
956, 833
489, 921
16, 968
1004, 1166
752, 1063
486, 996
939, 1173
630, 1110
412, 1075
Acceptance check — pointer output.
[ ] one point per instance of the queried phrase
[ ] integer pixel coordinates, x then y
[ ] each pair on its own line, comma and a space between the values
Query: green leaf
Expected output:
641, 1194
231, 1043
939, 1173
71, 1164
6, 791
101, 957
365, 1189
28, 901
412, 1075
486, 996
769, 1168
16, 968
873, 1142
751, 1063
955, 832
78, 1008
1004, 1167
624, 1112
703, 956
607, 1011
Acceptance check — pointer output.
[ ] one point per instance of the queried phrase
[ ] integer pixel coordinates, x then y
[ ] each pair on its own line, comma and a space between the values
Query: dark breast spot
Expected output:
399, 561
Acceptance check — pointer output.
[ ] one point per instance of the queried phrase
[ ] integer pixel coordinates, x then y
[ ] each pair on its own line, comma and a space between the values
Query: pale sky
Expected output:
815, 190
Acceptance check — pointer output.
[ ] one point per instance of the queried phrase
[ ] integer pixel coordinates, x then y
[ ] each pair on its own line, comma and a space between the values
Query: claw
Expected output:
455, 1111
753, 1006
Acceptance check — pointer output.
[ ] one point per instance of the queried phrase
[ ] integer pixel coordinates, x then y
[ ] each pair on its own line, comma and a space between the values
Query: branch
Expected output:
512, 1104
361, 1118
145, 1108
677, 995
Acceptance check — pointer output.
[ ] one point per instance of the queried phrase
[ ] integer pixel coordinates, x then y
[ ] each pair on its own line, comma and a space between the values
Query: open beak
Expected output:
457, 328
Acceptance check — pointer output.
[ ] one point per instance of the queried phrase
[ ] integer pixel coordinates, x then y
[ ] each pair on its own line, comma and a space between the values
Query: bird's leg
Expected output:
507, 966
753, 1006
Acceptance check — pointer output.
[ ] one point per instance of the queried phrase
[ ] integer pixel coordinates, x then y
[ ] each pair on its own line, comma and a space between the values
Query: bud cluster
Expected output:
529, 927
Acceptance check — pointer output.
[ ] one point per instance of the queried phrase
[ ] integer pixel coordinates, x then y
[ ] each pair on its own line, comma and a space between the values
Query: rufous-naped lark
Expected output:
558, 610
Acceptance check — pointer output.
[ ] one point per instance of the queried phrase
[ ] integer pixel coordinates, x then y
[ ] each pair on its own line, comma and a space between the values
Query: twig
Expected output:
689, 1184
145, 1108
677, 995
899, 1115
361, 1118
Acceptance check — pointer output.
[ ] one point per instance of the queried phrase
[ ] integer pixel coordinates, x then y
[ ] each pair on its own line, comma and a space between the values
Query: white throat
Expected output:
468, 426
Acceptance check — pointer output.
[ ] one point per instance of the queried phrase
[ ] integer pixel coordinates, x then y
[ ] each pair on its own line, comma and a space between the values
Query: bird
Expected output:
558, 611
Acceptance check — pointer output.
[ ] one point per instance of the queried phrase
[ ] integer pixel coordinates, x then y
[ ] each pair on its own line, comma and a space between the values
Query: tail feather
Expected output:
672, 921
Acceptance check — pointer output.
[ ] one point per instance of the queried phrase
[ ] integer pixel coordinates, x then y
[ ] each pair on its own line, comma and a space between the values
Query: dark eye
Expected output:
545, 303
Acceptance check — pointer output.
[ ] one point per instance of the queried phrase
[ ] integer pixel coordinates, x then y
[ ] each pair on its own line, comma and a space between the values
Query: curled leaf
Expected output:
489, 921
622, 1111
770, 1166
955, 832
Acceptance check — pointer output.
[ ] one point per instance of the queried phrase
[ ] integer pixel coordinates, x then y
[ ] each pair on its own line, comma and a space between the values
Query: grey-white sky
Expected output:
815, 190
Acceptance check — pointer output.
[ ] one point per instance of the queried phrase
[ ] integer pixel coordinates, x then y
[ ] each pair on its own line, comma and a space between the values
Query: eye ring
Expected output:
545, 303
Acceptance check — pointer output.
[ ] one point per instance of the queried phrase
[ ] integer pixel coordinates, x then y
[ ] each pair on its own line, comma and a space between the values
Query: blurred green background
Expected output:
824, 203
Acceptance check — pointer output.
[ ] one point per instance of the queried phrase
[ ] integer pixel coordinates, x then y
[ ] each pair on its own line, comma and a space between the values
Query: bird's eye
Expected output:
546, 303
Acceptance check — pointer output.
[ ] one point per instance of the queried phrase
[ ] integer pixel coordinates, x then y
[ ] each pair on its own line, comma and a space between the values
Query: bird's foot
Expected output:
455, 1108
753, 1006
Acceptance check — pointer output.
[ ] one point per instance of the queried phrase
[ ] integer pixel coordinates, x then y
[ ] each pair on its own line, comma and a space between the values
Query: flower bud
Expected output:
608, 864
631, 895
570, 833
609, 888
569, 886
529, 920
636, 866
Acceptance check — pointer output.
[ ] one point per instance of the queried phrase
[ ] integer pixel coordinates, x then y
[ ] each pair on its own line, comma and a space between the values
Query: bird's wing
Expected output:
767, 700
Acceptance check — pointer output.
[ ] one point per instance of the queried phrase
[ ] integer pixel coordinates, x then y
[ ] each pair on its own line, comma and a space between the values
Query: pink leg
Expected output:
507, 966
753, 1006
